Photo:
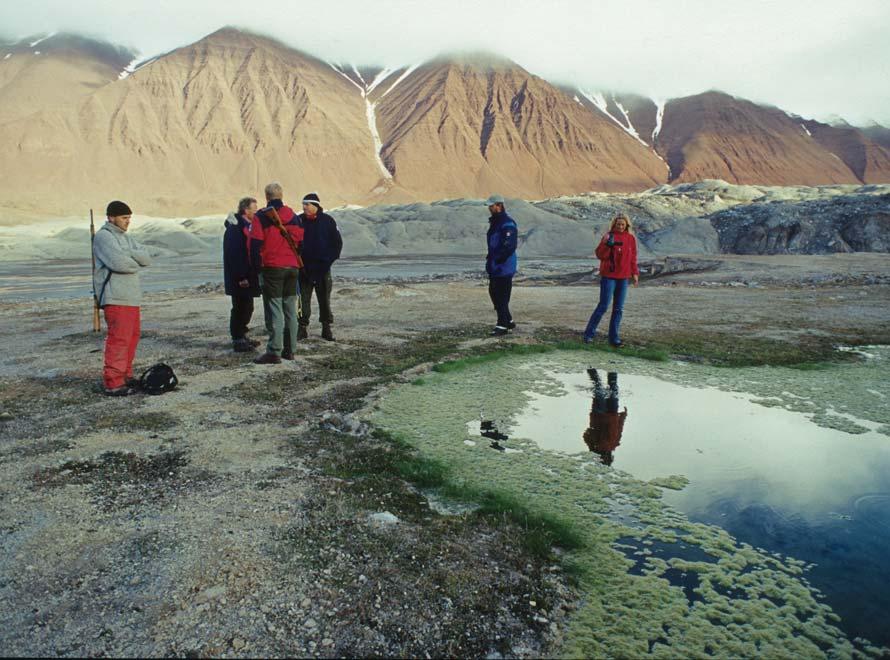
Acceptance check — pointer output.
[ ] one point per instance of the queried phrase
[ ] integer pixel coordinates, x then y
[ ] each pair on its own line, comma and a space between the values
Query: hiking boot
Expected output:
253, 342
616, 344
511, 325
499, 331
287, 355
588, 340
123, 390
302, 332
326, 333
268, 358
242, 346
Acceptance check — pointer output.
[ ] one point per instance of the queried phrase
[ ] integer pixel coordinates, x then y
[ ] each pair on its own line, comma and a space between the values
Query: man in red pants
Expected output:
116, 281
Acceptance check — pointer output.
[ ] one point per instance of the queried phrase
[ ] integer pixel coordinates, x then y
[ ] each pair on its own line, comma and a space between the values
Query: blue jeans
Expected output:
613, 289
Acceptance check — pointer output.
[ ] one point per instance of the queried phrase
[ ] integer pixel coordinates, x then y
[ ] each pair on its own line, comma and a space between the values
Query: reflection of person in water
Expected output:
606, 424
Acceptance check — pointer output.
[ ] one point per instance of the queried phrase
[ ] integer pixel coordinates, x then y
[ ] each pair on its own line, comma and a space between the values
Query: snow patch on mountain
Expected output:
379, 78
599, 100
41, 40
358, 75
130, 68
370, 112
630, 127
336, 68
407, 73
659, 117
806, 130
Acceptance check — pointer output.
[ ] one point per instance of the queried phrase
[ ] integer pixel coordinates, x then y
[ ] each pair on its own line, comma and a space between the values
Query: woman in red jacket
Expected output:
617, 253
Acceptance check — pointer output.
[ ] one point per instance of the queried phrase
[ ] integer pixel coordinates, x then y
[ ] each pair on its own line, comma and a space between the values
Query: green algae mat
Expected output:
654, 581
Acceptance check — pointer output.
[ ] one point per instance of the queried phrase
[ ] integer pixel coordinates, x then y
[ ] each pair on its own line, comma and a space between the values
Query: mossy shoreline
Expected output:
430, 429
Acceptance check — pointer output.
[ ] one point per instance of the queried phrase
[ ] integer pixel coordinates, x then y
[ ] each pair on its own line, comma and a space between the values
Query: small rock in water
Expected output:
237, 643
383, 518
5, 416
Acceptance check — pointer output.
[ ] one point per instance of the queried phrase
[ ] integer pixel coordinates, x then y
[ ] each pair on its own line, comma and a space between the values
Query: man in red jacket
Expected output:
274, 252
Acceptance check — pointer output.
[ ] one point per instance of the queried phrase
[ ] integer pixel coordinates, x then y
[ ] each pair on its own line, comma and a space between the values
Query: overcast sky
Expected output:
812, 57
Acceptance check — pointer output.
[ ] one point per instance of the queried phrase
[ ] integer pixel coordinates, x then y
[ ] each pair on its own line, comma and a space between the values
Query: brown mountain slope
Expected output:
462, 127
877, 134
869, 161
714, 135
55, 71
198, 127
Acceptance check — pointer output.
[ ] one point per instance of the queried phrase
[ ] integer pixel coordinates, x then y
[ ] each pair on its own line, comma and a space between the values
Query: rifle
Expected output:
97, 326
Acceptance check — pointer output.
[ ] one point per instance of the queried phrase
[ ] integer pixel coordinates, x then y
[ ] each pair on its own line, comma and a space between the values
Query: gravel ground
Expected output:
252, 513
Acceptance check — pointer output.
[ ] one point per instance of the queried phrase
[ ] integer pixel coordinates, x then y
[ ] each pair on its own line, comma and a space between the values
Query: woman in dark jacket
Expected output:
240, 279
617, 252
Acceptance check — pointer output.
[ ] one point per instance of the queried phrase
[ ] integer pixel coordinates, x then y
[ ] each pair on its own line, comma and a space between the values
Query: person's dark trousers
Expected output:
613, 391
499, 289
322, 285
280, 290
242, 312
267, 314
610, 290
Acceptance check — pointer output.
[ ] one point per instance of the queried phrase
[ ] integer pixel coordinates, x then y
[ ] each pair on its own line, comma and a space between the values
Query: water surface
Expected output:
769, 476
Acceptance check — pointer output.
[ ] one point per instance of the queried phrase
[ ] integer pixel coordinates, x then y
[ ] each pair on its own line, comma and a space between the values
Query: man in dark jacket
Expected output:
500, 264
241, 281
322, 245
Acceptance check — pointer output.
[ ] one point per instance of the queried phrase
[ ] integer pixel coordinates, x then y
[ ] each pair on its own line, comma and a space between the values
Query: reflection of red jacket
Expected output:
618, 262
605, 430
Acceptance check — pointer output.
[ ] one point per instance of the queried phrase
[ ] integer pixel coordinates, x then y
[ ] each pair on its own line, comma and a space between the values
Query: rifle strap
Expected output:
104, 284
284, 232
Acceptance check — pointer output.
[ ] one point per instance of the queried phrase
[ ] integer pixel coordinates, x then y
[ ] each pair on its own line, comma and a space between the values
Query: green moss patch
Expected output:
746, 602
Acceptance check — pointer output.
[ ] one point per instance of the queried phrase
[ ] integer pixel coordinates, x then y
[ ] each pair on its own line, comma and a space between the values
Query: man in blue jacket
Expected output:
500, 264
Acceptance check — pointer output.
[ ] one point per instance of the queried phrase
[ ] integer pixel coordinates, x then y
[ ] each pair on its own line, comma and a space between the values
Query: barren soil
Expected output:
234, 516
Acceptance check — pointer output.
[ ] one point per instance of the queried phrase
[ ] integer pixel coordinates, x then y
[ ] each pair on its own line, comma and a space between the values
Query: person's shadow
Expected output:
603, 434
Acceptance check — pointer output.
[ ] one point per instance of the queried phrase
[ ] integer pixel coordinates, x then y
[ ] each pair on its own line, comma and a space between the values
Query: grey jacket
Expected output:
119, 256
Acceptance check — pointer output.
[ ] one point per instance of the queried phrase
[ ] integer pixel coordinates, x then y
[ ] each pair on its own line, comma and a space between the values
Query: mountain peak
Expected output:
477, 60
113, 55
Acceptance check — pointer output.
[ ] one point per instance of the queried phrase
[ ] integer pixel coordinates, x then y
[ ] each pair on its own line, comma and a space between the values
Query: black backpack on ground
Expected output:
158, 379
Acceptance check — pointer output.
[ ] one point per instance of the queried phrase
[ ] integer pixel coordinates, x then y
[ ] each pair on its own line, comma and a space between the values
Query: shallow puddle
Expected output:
769, 476
734, 512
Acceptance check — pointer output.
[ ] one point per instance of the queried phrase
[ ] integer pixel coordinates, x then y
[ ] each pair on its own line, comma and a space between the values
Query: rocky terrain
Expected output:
704, 218
852, 223
253, 511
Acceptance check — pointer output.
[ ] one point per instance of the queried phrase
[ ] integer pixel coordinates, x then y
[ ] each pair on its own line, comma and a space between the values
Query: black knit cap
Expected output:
117, 208
312, 198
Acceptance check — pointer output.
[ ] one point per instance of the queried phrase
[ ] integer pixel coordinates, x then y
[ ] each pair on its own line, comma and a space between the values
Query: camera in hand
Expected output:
611, 242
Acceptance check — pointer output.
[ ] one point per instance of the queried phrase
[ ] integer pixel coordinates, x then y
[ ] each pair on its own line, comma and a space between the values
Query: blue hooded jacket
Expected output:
503, 236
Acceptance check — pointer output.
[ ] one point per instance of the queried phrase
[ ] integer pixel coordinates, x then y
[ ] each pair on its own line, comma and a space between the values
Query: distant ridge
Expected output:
191, 130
